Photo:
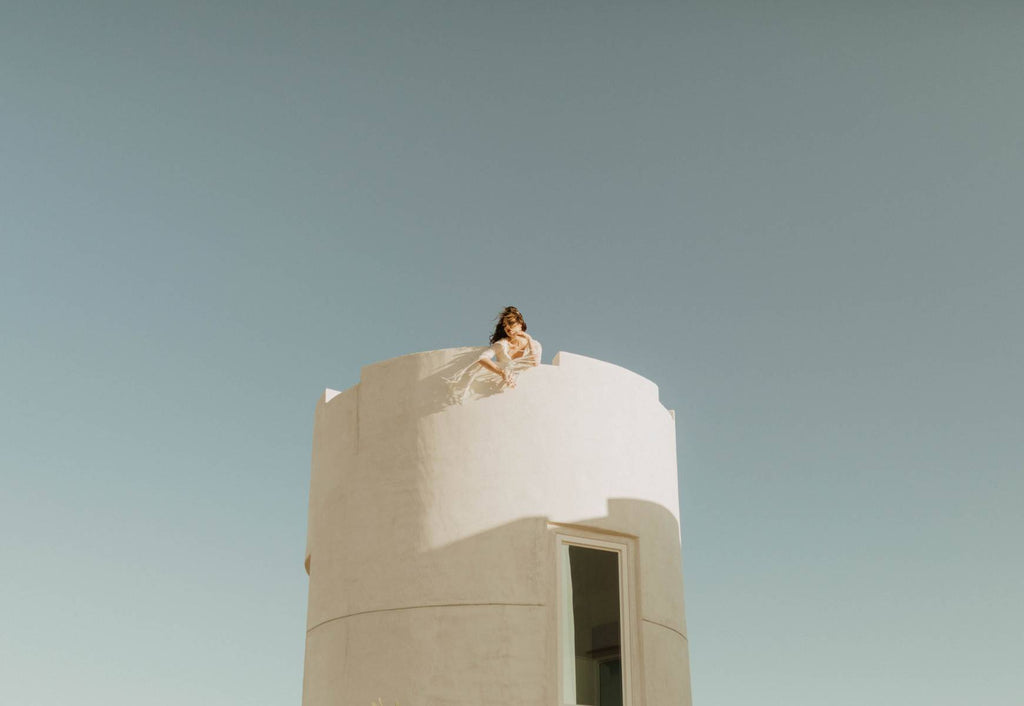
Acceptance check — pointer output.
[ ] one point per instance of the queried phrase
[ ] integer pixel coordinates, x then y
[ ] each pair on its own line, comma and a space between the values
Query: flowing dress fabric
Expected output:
460, 385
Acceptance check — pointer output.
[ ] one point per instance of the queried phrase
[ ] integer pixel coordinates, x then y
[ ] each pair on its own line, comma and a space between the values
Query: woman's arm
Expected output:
487, 360
489, 364
535, 350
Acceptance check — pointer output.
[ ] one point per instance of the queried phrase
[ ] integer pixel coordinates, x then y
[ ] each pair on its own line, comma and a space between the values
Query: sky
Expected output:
802, 220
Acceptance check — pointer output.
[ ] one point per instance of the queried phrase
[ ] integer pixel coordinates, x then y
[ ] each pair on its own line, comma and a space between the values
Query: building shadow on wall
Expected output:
513, 561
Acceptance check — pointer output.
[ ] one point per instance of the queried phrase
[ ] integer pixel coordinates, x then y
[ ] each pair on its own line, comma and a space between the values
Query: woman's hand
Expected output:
508, 378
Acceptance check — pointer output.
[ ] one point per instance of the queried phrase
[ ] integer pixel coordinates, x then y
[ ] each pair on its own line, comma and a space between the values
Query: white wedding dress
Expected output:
461, 384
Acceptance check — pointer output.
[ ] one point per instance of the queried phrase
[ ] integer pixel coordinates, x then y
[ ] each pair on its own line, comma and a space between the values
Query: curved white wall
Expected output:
431, 551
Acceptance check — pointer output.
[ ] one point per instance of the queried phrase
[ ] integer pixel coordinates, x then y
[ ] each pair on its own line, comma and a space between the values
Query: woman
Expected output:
510, 343
512, 350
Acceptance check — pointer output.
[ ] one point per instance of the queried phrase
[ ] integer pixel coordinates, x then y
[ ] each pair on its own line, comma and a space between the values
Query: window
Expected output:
595, 631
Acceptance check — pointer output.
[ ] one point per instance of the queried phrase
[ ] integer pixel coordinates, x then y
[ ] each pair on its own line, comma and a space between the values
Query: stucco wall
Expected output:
431, 551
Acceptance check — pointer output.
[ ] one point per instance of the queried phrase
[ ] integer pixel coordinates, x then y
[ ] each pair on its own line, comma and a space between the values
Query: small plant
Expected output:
380, 702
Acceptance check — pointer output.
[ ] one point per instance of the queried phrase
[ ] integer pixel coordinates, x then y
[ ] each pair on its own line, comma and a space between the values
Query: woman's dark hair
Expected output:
509, 315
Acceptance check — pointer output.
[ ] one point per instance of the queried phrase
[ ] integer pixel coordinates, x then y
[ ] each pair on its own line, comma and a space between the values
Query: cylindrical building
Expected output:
521, 548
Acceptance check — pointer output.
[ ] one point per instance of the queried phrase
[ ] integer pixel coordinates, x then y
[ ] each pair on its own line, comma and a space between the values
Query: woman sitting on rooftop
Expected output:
510, 343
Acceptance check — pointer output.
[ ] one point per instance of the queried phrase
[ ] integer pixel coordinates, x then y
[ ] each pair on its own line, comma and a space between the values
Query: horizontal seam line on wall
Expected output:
655, 622
431, 605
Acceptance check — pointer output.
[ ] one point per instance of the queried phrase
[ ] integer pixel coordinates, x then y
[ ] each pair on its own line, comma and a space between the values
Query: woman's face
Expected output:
513, 329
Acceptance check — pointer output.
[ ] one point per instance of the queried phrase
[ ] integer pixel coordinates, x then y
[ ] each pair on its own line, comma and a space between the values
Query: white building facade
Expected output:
521, 548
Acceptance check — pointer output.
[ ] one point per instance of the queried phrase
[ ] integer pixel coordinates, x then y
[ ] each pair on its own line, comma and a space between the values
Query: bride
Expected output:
512, 350
510, 343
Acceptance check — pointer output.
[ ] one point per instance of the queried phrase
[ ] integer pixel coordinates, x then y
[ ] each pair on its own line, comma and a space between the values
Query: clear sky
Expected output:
801, 218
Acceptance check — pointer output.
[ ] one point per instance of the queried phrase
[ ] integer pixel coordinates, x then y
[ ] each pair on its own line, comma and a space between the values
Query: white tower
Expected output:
520, 549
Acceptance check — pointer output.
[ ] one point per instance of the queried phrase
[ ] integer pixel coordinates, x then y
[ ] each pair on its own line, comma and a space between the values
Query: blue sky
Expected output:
801, 219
